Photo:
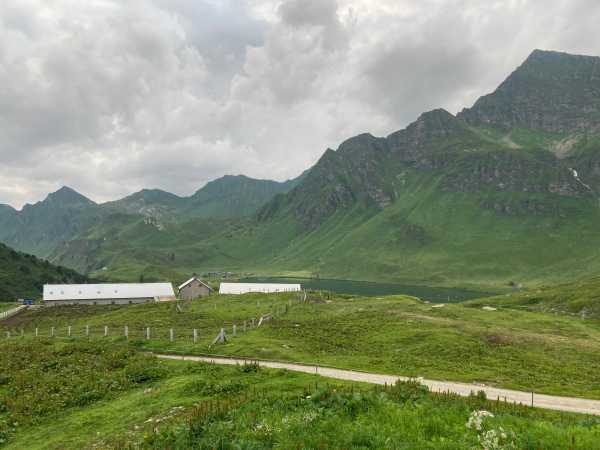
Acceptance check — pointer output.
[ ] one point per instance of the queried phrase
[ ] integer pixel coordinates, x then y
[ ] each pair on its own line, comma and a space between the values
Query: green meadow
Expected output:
106, 395
507, 347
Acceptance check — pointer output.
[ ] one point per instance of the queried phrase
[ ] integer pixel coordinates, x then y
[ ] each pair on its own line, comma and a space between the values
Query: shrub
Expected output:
410, 391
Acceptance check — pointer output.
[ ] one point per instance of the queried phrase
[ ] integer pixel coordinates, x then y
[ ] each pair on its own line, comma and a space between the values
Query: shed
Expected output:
194, 288
265, 288
107, 294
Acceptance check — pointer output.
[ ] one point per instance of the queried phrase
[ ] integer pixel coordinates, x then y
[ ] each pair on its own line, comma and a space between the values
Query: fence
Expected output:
146, 333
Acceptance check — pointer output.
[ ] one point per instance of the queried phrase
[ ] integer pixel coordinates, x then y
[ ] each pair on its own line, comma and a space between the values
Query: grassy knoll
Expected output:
60, 395
580, 298
547, 353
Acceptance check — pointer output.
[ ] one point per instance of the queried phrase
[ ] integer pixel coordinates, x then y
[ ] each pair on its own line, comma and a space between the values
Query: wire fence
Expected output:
200, 334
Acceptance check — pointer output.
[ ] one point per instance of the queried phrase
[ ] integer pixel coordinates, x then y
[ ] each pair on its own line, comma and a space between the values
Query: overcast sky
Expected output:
111, 96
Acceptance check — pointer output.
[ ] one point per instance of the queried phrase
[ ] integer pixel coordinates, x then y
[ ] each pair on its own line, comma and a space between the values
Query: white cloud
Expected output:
110, 96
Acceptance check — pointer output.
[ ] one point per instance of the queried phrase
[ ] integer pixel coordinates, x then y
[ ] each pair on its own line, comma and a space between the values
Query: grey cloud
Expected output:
110, 96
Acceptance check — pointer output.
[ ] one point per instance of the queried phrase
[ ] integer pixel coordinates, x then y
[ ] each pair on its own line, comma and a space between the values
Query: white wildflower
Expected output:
476, 419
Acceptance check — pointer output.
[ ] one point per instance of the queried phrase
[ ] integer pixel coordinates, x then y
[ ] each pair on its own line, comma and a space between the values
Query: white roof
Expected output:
107, 291
192, 279
243, 288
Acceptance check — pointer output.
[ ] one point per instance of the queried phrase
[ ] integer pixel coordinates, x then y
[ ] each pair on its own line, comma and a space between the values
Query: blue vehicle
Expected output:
27, 301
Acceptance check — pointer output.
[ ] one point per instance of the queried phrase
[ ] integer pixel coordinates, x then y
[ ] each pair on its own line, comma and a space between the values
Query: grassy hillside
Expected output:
581, 299
23, 276
427, 236
396, 335
121, 399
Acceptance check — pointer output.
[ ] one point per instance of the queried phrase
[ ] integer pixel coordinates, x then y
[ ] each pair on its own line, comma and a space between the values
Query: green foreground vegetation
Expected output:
107, 395
526, 350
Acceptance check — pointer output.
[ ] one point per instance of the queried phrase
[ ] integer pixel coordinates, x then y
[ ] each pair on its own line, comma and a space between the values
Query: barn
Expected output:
265, 288
107, 294
194, 288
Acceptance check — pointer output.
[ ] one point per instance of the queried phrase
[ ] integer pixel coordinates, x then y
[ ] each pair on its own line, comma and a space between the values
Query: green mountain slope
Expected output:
38, 229
23, 275
505, 191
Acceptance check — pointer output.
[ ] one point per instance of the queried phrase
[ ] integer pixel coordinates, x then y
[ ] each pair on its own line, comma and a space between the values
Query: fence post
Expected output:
171, 335
69, 331
253, 322
148, 333
22, 332
126, 332
36, 332
244, 326
105, 331
87, 331
52, 332
195, 335
234, 330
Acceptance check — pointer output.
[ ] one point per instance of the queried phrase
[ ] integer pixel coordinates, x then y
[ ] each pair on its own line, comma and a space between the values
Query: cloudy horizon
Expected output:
110, 97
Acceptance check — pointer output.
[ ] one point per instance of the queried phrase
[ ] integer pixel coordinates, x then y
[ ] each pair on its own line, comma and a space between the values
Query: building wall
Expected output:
193, 291
120, 301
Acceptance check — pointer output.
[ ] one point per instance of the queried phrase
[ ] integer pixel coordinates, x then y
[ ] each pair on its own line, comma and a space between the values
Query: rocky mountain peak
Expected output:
66, 196
551, 91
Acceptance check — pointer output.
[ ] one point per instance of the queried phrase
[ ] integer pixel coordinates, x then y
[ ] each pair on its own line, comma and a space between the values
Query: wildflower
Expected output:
476, 419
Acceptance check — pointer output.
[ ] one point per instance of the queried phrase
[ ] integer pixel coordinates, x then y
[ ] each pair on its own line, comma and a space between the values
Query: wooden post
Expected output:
22, 332
105, 331
253, 322
244, 326
171, 335
234, 330
126, 332
37, 332
87, 331
195, 335
69, 331
148, 333
52, 332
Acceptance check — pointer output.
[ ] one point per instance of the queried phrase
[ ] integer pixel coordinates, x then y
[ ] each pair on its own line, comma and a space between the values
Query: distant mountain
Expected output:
43, 228
23, 276
38, 229
234, 196
227, 197
506, 191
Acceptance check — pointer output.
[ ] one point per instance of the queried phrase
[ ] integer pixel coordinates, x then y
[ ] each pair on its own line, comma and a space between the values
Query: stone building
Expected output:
194, 288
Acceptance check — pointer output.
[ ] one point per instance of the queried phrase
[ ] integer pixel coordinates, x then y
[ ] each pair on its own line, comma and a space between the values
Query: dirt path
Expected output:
568, 404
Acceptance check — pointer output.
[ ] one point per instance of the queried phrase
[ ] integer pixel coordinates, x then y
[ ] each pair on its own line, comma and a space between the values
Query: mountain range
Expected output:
505, 191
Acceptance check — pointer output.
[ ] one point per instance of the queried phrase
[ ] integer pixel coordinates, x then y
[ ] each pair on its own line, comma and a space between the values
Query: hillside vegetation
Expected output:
106, 395
23, 276
395, 335
581, 299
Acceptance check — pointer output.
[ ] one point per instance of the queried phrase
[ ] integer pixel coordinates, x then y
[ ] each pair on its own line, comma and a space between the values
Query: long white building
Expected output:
107, 294
265, 288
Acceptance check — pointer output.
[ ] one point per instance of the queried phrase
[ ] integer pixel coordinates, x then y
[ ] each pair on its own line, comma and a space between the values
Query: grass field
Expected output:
106, 395
580, 298
525, 350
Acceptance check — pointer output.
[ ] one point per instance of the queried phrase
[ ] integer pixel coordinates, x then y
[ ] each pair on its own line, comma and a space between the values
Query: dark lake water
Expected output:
371, 289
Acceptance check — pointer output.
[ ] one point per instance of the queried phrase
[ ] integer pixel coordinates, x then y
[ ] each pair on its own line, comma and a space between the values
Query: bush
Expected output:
410, 391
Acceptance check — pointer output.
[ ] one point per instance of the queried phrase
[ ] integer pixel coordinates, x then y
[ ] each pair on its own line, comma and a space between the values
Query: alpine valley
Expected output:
506, 191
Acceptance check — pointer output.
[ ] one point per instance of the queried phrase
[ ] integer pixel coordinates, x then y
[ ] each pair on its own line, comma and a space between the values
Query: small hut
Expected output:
194, 288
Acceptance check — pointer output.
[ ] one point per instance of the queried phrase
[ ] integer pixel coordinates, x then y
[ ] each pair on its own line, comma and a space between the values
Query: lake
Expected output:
372, 289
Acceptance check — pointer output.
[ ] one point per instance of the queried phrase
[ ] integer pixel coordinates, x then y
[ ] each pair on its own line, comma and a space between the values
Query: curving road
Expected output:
567, 404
